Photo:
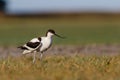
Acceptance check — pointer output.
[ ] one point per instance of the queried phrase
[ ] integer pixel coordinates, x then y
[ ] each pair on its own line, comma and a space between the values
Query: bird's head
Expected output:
51, 32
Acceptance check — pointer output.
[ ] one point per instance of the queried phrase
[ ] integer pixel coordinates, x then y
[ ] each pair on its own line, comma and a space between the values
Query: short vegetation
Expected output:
76, 67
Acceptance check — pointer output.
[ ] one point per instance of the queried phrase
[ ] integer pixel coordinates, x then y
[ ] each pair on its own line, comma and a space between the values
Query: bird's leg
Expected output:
34, 56
41, 55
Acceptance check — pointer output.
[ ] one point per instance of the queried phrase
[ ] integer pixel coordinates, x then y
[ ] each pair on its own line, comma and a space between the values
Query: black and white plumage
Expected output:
39, 44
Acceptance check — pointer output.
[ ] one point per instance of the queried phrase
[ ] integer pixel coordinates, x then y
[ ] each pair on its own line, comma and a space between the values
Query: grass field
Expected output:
92, 35
77, 67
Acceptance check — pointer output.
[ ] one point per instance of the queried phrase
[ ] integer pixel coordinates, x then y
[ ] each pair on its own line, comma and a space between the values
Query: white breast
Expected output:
46, 42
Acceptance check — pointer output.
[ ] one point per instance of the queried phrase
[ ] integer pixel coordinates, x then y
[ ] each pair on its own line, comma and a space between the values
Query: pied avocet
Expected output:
39, 44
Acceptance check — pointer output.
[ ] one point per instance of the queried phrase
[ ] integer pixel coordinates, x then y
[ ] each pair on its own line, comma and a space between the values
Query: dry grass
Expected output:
78, 67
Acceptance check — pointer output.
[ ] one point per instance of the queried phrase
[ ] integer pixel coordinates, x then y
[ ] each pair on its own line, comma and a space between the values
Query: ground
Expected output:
61, 67
90, 62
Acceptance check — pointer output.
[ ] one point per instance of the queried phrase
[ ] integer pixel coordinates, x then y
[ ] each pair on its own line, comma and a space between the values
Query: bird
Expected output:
39, 44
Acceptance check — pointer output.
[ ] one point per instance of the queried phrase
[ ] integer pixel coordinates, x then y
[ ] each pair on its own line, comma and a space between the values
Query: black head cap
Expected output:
51, 30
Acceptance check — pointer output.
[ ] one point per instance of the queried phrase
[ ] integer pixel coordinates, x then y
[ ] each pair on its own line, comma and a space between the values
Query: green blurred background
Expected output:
79, 29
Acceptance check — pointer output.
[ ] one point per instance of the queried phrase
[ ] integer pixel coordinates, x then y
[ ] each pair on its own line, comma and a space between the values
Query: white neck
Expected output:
49, 35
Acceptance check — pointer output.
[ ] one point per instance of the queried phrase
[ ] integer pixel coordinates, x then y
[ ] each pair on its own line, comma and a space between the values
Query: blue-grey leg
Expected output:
41, 55
34, 56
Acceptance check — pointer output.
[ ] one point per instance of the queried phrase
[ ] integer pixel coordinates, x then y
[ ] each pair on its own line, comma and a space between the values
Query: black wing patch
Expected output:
33, 45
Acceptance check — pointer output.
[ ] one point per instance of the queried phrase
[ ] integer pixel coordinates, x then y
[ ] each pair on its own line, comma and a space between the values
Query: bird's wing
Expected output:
33, 44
